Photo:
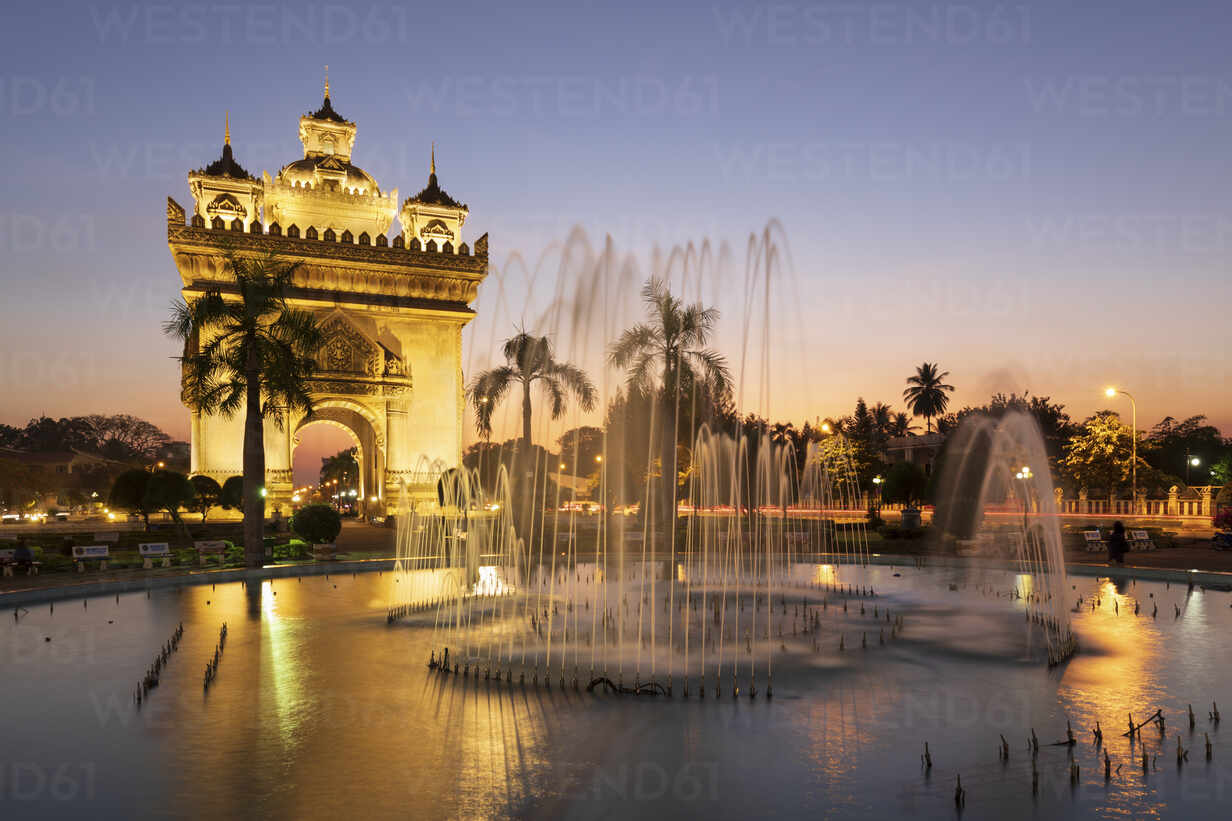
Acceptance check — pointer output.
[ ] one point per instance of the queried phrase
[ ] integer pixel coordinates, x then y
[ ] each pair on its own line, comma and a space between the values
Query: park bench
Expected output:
10, 561
1094, 542
91, 553
154, 550
205, 549
1140, 540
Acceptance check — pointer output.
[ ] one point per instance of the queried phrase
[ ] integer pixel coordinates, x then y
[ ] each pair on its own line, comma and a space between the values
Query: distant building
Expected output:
61, 462
921, 450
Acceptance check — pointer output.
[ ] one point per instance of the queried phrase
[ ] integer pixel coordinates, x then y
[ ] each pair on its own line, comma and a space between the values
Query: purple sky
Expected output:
1034, 195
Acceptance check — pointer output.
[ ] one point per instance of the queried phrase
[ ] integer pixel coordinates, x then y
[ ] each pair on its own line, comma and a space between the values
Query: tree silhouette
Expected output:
670, 348
530, 362
927, 394
246, 348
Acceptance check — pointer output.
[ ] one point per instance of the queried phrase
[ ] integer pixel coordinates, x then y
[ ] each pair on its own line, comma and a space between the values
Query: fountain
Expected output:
990, 498
755, 572
758, 552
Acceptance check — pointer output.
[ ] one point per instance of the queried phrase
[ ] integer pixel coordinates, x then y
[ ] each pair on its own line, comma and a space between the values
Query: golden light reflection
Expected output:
825, 574
282, 680
1118, 670
492, 581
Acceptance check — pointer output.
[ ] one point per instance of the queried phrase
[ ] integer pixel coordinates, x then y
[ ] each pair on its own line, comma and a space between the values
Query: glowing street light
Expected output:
825, 427
1111, 393
1190, 462
1023, 475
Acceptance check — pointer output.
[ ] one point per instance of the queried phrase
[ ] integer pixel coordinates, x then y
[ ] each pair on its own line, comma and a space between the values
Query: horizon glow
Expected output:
1036, 202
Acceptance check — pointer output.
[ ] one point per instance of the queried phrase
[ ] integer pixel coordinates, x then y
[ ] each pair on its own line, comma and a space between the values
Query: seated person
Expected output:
23, 557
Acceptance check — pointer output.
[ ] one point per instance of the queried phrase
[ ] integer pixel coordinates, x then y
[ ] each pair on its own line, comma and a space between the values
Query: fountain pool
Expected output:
320, 706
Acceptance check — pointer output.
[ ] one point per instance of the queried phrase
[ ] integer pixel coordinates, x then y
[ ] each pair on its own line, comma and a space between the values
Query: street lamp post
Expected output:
1024, 475
1190, 461
1133, 501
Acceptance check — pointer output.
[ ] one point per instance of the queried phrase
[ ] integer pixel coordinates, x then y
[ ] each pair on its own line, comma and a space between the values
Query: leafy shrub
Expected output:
233, 493
293, 549
318, 524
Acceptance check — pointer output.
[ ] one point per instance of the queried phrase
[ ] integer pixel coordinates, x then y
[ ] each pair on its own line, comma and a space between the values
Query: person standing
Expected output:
1117, 545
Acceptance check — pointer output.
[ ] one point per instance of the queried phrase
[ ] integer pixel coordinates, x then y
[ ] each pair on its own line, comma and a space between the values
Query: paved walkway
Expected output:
365, 547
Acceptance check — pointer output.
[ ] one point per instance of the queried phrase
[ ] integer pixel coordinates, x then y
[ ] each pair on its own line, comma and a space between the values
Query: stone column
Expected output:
1204, 501
278, 479
1084, 506
1059, 494
1174, 507
397, 451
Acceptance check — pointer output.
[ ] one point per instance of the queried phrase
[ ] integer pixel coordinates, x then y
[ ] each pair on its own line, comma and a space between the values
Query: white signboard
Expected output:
95, 551
154, 549
211, 547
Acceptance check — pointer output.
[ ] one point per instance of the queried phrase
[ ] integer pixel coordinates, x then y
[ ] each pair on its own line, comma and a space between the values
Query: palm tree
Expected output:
669, 347
926, 393
342, 467
900, 425
246, 349
529, 361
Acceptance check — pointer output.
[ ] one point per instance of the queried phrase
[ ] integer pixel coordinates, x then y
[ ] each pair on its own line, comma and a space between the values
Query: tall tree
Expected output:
926, 393
1176, 442
530, 362
579, 447
900, 424
342, 466
670, 348
1098, 457
246, 349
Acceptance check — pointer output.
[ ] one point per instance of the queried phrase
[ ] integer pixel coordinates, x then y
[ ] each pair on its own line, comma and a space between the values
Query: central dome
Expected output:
329, 172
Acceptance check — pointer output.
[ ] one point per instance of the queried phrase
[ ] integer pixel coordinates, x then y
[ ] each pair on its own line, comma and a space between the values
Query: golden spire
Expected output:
432, 166
327, 82
226, 137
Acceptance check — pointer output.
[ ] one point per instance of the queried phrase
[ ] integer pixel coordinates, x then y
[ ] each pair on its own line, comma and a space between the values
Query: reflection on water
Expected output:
321, 707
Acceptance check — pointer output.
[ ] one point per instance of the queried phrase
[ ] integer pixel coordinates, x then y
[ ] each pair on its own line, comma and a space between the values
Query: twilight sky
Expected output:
1034, 195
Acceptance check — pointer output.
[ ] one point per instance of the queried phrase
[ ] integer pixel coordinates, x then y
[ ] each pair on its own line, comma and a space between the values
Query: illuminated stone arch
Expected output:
366, 430
391, 369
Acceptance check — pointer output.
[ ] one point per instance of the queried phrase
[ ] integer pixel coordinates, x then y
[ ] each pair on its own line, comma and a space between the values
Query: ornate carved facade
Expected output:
392, 308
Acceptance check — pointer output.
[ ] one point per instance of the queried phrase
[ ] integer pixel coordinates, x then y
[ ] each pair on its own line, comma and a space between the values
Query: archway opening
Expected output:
319, 466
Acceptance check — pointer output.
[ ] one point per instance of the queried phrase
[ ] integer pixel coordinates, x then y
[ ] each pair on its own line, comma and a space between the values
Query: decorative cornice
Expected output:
323, 383
473, 265
372, 275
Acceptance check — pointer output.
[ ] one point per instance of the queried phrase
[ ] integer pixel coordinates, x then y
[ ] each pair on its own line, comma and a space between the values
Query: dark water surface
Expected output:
321, 710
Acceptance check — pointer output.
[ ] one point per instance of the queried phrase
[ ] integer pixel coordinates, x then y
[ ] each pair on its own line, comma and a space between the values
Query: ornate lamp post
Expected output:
1111, 394
1023, 475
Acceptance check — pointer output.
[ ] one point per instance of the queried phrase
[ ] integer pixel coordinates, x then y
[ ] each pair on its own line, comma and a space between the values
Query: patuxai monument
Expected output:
391, 299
